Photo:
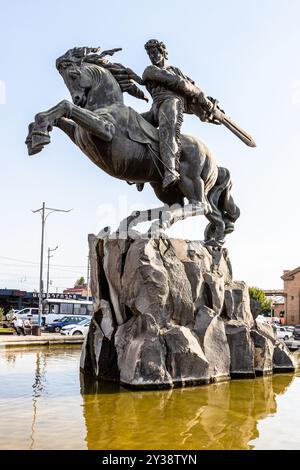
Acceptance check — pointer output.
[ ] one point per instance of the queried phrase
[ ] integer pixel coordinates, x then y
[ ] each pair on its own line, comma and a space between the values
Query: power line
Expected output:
20, 260
34, 267
36, 263
44, 213
16, 275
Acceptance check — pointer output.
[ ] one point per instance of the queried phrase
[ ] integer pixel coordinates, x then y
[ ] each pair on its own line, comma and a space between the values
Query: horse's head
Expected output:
91, 86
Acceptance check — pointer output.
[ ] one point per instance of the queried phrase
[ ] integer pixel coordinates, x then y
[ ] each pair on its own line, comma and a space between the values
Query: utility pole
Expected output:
49, 256
42, 212
88, 280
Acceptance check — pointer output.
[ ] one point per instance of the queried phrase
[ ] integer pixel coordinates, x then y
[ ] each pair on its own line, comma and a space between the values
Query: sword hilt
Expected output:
212, 114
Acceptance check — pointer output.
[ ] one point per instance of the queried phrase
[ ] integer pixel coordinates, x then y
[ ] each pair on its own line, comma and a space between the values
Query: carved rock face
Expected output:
168, 313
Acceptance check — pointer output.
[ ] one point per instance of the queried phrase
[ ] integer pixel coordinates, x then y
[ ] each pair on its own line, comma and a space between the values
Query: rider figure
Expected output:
173, 93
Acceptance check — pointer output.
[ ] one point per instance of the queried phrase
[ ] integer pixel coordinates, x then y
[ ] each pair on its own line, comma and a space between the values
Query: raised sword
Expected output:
217, 116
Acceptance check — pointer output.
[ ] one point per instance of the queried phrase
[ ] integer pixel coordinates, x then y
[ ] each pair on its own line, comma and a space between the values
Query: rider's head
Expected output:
156, 51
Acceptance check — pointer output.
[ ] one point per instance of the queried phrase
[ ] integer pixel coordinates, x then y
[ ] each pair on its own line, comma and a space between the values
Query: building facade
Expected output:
287, 303
78, 290
279, 311
291, 280
18, 299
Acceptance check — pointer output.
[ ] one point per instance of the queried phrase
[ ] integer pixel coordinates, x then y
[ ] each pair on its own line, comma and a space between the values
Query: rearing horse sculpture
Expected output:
123, 144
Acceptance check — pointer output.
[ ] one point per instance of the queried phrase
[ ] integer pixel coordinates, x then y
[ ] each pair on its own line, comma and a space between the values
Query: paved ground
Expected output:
44, 339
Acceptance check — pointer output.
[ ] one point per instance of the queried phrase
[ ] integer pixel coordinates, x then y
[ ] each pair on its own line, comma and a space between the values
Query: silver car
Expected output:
80, 328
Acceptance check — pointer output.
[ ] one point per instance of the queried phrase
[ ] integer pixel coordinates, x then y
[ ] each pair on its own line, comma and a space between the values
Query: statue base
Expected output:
167, 313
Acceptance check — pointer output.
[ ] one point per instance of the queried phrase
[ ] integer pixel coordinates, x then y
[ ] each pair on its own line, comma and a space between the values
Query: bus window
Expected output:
79, 309
51, 308
89, 309
66, 308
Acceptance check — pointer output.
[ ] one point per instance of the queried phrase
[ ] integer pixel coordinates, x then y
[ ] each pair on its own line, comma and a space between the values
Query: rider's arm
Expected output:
177, 83
156, 74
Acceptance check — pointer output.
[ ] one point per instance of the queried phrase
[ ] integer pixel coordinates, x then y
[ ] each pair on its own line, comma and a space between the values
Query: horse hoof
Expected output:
34, 151
229, 228
39, 139
214, 243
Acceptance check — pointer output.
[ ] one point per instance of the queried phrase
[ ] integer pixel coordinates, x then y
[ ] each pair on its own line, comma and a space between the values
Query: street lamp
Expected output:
42, 211
49, 256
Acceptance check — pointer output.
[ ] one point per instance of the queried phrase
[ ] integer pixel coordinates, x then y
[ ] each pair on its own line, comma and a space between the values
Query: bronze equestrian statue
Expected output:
128, 145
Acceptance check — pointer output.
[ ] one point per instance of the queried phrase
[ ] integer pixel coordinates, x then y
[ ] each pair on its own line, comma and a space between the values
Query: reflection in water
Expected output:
41, 407
218, 416
40, 402
38, 388
10, 357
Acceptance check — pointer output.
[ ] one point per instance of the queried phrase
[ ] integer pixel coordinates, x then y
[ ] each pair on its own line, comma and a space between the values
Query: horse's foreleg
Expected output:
64, 124
67, 126
39, 133
97, 125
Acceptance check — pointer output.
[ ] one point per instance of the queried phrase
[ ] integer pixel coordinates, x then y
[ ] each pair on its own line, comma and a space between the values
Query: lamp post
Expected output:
42, 212
48, 267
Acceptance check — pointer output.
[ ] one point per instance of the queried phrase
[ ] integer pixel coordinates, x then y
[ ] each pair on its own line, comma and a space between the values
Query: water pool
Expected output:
45, 404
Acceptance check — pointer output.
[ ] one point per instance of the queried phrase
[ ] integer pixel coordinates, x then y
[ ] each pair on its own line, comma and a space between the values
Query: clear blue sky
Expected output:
244, 53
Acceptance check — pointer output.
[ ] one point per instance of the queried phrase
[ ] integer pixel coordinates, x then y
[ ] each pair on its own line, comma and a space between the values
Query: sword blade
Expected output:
235, 129
239, 132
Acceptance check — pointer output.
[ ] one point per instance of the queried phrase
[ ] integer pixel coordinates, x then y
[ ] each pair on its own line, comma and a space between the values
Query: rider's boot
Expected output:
170, 120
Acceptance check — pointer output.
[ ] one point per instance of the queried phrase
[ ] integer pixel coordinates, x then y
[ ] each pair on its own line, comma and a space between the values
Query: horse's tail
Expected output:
231, 211
224, 211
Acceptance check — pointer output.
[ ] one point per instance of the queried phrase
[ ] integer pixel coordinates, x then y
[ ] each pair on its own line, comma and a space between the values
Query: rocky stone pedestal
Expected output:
168, 313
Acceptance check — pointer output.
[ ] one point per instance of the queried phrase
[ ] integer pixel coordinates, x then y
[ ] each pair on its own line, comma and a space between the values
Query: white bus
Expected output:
54, 309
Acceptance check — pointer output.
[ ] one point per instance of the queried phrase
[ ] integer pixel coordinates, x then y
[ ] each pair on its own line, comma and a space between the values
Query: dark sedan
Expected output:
57, 325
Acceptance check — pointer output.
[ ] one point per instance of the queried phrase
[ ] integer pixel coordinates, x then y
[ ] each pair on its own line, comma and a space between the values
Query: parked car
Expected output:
27, 313
271, 320
260, 318
79, 329
297, 332
58, 324
283, 333
290, 328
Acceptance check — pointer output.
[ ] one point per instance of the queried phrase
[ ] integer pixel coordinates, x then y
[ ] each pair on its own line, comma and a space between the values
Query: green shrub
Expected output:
259, 295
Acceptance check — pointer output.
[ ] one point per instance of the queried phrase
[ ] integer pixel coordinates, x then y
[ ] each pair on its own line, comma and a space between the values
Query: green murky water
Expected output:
45, 405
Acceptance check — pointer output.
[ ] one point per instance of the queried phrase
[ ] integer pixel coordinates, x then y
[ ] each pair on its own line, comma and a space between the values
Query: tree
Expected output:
80, 282
259, 296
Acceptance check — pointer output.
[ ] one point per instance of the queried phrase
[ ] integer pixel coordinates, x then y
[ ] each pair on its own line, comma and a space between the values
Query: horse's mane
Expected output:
123, 75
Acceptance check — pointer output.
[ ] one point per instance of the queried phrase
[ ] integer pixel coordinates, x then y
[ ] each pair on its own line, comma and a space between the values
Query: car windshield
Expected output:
84, 322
